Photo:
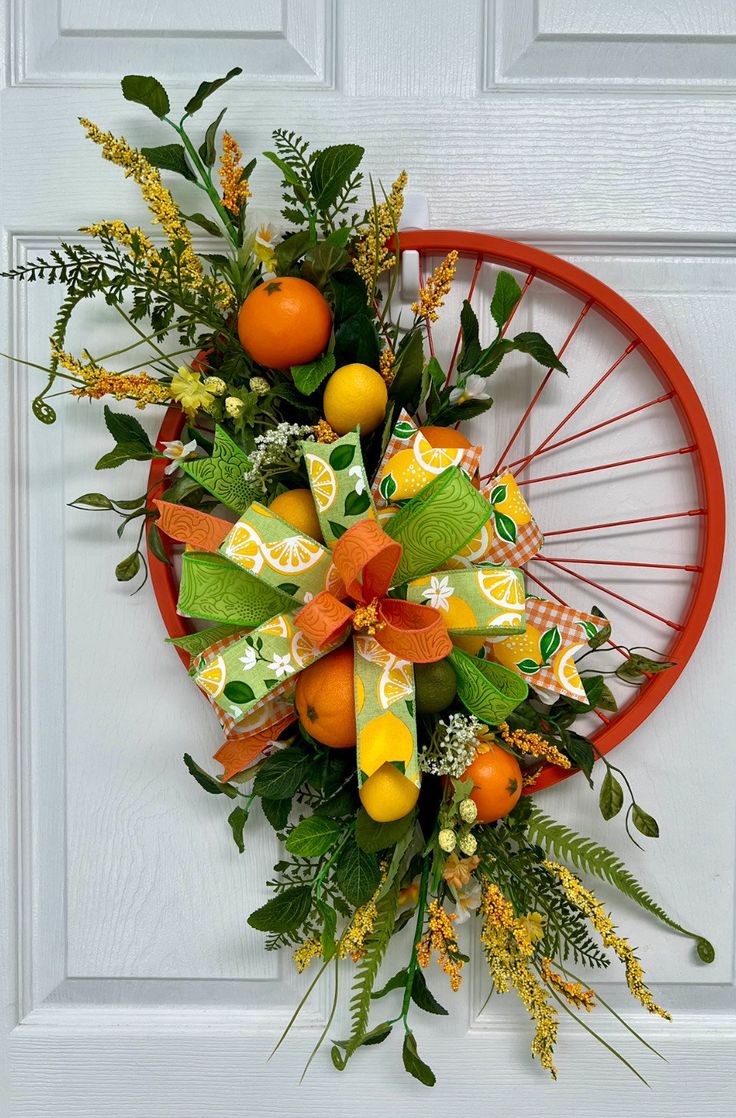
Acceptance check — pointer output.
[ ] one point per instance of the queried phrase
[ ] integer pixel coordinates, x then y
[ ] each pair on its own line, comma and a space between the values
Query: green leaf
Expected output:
146, 91
276, 811
208, 150
237, 819
505, 298
342, 456
406, 385
281, 774
492, 356
499, 493
284, 912
356, 503
206, 89
337, 529
422, 996
414, 1064
170, 157
606, 699
356, 340
378, 1034
290, 176
528, 667
350, 294
372, 837
156, 544
398, 982
122, 453
331, 171
603, 633
387, 487
92, 501
209, 783
322, 260
357, 874
290, 249
505, 526
580, 752
537, 347
459, 413
645, 824
205, 223
128, 568
559, 842
611, 798
550, 643
239, 692
133, 503
470, 331
308, 378
126, 429
314, 836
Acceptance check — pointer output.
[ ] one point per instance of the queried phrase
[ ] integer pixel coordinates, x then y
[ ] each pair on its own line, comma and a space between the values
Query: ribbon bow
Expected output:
290, 592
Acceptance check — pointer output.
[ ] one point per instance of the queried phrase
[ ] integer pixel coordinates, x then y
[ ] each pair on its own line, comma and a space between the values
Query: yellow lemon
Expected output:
513, 504
292, 556
244, 547
408, 476
396, 682
503, 587
457, 614
566, 672
369, 649
385, 738
322, 481
355, 395
297, 508
388, 794
479, 546
512, 650
212, 678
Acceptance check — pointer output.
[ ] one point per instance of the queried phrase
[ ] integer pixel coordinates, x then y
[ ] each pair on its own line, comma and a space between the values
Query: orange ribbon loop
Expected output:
412, 632
324, 619
366, 559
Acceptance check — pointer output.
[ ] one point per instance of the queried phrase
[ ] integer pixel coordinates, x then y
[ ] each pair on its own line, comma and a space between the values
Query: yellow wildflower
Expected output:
386, 363
235, 189
579, 996
534, 745
134, 239
530, 777
323, 433
263, 248
362, 924
440, 937
533, 924
485, 739
458, 871
432, 294
365, 619
371, 256
508, 949
592, 908
99, 382
164, 210
234, 407
306, 952
189, 391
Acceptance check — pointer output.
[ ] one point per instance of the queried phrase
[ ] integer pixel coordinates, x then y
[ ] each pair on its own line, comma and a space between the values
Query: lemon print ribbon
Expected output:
301, 600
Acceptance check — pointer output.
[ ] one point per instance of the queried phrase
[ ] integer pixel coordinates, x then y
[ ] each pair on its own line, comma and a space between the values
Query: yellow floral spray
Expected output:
579, 996
441, 938
534, 745
432, 294
371, 256
99, 382
235, 189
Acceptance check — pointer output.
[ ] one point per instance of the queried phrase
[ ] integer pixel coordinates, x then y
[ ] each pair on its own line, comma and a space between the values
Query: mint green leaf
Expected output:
422, 996
209, 783
146, 91
313, 837
308, 378
397, 982
285, 912
206, 89
357, 874
208, 150
276, 812
126, 429
281, 774
414, 1064
170, 157
122, 453
611, 798
537, 347
290, 176
331, 171
646, 824
237, 819
505, 298
470, 332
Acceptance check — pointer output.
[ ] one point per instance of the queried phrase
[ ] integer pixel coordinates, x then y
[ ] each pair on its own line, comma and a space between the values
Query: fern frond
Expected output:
367, 971
590, 857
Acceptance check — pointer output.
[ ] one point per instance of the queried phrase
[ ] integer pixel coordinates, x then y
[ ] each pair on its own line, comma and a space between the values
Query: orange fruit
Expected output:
297, 508
445, 437
325, 700
355, 395
283, 322
496, 776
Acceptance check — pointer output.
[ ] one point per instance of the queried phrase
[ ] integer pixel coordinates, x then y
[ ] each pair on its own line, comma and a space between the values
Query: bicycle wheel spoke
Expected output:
532, 404
598, 426
611, 369
619, 563
610, 465
624, 523
619, 597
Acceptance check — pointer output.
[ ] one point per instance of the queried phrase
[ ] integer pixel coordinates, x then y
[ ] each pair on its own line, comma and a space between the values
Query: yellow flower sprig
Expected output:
534, 745
371, 256
508, 948
432, 294
592, 908
441, 939
235, 188
579, 996
99, 382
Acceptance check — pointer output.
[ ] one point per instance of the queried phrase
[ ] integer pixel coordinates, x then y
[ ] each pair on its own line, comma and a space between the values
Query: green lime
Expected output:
436, 686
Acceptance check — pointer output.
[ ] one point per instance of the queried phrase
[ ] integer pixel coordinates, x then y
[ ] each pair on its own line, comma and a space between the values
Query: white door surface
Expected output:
130, 984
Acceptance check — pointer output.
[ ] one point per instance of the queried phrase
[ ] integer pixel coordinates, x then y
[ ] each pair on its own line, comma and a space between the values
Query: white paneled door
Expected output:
131, 985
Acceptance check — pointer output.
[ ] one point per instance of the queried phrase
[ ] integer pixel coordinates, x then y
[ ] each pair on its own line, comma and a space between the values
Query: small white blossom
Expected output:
474, 388
281, 665
177, 450
277, 450
452, 746
468, 900
439, 592
357, 473
250, 659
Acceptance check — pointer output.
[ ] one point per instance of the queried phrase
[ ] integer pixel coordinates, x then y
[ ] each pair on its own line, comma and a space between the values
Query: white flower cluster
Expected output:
278, 448
452, 747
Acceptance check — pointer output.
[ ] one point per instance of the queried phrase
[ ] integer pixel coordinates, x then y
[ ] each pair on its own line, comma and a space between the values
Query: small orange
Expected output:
496, 776
445, 438
297, 508
325, 700
284, 322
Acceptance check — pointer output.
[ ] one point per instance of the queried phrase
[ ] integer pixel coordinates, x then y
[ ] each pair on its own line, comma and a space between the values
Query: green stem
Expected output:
139, 332
320, 878
418, 930
43, 368
206, 177
143, 339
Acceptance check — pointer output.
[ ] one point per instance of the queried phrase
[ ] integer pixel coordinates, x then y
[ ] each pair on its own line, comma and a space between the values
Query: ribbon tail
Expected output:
190, 526
488, 690
241, 748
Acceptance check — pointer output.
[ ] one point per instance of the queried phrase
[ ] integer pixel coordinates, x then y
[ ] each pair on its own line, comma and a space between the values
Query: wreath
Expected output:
390, 690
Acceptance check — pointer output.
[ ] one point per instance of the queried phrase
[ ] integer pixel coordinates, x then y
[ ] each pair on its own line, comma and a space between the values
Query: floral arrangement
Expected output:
388, 691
